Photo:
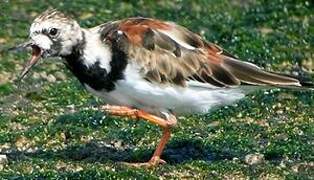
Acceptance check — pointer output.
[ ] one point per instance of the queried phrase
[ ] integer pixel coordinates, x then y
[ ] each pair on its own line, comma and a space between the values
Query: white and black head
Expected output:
52, 34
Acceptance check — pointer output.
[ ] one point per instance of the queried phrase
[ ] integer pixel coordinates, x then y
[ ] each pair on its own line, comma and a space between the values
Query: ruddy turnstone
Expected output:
147, 68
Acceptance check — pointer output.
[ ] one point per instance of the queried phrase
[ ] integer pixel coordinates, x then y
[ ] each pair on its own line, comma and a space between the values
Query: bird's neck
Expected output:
94, 63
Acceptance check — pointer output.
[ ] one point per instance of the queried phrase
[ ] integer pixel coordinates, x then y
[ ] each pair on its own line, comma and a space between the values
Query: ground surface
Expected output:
50, 127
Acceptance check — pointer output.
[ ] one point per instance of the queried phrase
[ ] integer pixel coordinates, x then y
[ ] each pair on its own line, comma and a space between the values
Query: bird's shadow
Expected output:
177, 150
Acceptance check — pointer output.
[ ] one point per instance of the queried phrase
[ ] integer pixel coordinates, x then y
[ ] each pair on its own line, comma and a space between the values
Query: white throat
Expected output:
96, 51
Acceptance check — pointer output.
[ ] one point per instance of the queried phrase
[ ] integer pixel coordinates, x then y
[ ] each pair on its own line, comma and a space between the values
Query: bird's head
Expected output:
52, 34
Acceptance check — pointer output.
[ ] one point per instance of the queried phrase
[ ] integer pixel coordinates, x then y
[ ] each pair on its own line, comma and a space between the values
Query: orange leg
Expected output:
164, 124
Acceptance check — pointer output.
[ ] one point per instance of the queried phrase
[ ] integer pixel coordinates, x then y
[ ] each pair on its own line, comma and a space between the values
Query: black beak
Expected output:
22, 47
36, 54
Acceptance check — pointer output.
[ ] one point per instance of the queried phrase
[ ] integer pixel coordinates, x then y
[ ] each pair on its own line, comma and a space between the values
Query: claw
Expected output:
153, 162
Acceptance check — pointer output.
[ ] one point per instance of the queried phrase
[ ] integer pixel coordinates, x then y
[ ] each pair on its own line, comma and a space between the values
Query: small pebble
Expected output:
51, 78
252, 159
214, 124
60, 76
3, 161
43, 75
36, 75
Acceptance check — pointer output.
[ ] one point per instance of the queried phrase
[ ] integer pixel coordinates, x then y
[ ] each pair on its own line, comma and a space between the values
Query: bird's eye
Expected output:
53, 31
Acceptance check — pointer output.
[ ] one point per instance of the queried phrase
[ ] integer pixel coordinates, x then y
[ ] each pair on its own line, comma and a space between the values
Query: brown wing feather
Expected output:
252, 74
168, 53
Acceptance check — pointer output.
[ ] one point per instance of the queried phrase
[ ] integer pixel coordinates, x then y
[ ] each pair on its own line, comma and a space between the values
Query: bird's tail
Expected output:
304, 80
251, 74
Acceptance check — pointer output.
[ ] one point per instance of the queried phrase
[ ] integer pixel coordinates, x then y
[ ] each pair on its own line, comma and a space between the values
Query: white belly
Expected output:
197, 97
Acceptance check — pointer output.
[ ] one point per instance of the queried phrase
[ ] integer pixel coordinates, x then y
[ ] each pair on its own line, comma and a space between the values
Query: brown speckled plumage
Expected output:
158, 48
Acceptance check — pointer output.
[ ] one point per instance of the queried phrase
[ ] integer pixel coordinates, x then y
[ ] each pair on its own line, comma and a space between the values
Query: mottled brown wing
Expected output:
169, 53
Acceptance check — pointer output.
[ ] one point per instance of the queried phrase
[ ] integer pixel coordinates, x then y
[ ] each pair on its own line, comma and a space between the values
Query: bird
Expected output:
145, 68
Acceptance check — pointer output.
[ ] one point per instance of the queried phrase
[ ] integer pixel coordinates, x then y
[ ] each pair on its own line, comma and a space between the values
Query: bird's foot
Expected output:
153, 162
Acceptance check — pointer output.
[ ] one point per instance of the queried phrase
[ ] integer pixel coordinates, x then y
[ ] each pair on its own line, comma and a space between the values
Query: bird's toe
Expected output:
153, 162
